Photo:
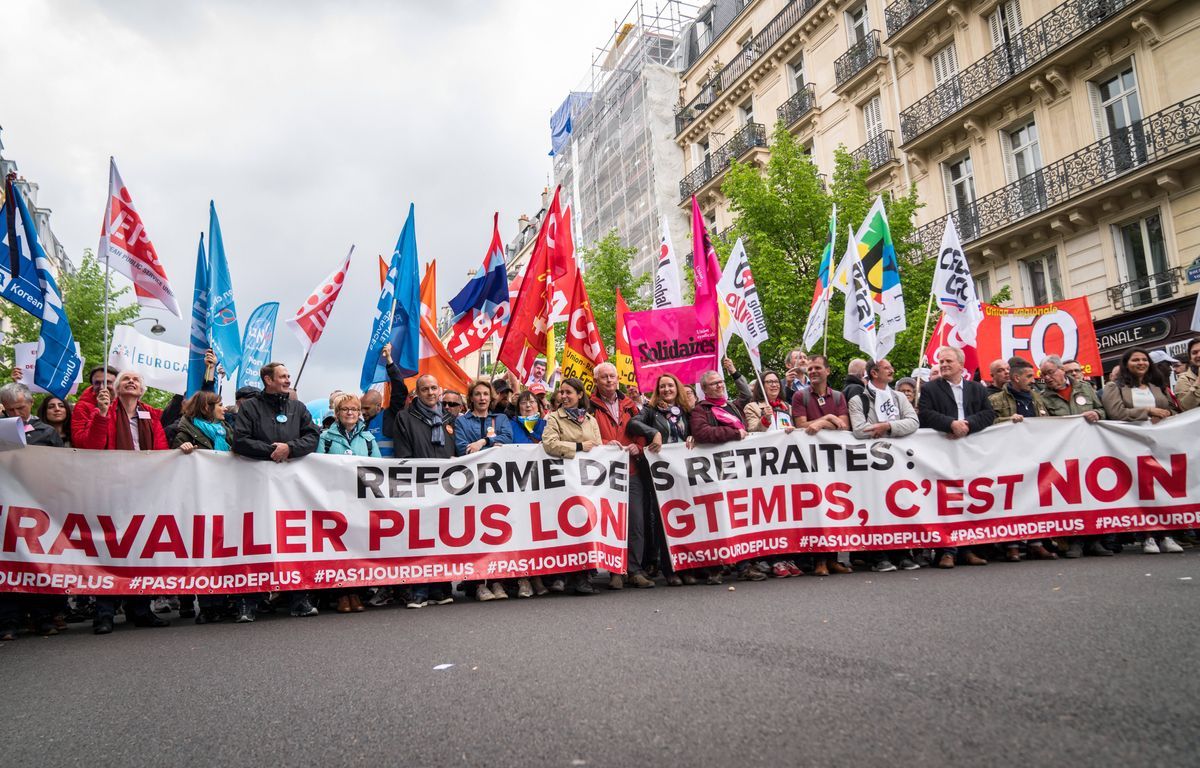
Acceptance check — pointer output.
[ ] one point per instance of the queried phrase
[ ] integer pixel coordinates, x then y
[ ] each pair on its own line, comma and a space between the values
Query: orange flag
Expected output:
435, 360
623, 352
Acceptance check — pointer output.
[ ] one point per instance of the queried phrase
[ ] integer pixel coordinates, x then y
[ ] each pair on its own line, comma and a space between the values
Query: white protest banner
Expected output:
161, 365
741, 310
777, 493
25, 360
160, 522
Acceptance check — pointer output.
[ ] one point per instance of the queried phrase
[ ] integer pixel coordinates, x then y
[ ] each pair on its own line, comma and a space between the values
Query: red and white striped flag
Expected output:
126, 248
309, 321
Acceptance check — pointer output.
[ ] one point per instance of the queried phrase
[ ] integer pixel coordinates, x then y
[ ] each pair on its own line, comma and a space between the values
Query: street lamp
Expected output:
156, 330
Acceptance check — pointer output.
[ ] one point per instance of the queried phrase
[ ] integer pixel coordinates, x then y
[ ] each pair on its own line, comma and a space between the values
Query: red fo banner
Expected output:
309, 321
159, 522
126, 247
776, 493
1063, 328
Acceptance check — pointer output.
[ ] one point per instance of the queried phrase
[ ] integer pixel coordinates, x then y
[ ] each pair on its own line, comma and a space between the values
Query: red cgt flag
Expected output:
584, 349
525, 336
309, 321
622, 349
945, 334
126, 248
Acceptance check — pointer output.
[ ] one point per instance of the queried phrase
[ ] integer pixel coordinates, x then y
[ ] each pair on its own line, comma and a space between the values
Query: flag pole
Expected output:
925, 330
296, 383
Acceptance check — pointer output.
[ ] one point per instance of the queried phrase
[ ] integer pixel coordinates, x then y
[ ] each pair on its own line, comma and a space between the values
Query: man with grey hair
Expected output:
957, 407
795, 373
856, 375
1065, 396
18, 402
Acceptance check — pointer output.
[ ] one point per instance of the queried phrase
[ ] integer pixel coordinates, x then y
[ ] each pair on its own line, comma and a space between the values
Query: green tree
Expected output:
606, 269
782, 215
83, 301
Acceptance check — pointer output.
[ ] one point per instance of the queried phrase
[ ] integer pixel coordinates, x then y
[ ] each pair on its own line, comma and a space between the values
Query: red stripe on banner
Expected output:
60, 578
732, 549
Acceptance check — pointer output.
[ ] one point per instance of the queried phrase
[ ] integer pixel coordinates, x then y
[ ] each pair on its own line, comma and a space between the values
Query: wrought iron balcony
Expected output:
856, 59
1031, 45
748, 136
799, 105
772, 33
901, 13
1159, 286
1147, 141
877, 152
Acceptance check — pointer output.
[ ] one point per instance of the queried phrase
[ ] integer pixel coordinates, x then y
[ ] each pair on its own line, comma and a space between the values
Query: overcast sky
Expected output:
311, 125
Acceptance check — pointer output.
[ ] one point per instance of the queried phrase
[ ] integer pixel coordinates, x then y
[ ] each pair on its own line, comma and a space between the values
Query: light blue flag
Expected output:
406, 320
256, 344
381, 330
222, 313
58, 362
198, 341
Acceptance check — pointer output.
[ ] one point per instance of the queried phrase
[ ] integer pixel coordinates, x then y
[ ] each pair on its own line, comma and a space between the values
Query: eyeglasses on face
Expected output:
349, 410
451, 404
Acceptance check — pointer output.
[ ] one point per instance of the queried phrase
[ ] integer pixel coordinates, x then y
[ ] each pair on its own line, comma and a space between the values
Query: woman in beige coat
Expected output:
570, 430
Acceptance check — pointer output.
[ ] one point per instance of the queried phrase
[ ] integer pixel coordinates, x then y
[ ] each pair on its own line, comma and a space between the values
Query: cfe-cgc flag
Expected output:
623, 353
481, 307
198, 342
859, 321
222, 312
58, 362
740, 304
667, 289
818, 311
257, 341
309, 321
882, 270
126, 248
953, 286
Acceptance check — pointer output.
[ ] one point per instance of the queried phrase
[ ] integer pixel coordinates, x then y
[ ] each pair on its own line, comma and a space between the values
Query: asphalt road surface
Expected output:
1078, 662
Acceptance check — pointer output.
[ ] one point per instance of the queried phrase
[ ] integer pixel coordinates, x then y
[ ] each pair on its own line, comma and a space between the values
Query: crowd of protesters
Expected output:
436, 423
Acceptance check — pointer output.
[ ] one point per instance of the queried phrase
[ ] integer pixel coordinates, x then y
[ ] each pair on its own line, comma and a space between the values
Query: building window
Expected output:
983, 287
1004, 24
749, 52
1042, 283
746, 111
1022, 166
857, 24
872, 118
958, 176
704, 30
1117, 114
710, 222
945, 79
1143, 260
796, 74
700, 153
485, 361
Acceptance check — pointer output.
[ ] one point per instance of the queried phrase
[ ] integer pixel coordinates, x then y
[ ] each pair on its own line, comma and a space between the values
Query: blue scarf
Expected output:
214, 431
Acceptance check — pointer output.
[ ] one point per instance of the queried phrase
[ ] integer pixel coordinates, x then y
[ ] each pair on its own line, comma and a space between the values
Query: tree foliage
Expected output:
782, 214
607, 267
83, 301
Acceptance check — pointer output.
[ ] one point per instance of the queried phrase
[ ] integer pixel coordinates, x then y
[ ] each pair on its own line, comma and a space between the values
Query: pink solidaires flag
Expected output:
309, 321
126, 248
706, 269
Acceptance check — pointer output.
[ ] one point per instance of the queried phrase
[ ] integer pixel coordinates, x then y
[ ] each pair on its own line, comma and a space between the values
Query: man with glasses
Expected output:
1074, 370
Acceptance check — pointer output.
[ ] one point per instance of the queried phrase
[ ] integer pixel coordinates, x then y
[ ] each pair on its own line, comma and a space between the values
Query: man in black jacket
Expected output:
957, 407
423, 430
276, 427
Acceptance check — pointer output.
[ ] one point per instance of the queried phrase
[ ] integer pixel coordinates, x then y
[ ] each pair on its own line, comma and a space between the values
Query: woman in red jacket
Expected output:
118, 420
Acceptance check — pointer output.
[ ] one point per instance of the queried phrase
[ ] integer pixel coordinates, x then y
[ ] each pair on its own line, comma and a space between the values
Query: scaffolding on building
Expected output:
620, 168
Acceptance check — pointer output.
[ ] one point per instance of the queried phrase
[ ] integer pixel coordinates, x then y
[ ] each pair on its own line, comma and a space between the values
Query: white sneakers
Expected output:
1151, 547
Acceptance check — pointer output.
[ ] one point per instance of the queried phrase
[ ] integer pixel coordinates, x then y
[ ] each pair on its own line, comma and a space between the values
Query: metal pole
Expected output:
296, 383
